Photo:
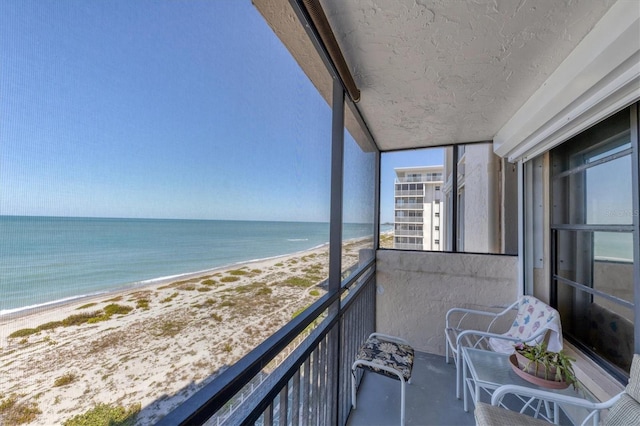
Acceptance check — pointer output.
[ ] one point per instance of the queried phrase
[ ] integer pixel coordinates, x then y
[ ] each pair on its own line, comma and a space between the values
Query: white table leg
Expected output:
464, 383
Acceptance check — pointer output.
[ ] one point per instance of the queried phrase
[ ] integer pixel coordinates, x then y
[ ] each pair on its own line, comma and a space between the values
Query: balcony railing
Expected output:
305, 388
399, 192
415, 206
419, 179
408, 233
410, 219
407, 246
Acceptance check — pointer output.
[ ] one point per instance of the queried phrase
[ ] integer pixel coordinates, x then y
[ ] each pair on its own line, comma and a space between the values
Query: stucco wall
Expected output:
415, 290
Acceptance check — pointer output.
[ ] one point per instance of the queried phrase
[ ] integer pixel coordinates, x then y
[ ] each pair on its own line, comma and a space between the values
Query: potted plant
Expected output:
542, 367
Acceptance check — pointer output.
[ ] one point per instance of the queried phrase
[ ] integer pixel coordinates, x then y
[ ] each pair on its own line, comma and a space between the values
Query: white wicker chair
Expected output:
526, 327
624, 408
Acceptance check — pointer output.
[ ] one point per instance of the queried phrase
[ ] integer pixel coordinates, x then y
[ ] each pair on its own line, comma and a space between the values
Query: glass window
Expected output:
592, 232
358, 204
476, 221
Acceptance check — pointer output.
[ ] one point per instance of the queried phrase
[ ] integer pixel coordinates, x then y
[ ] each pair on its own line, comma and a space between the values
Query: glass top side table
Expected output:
486, 371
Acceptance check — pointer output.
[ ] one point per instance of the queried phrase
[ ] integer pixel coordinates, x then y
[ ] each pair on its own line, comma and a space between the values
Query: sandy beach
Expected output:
150, 347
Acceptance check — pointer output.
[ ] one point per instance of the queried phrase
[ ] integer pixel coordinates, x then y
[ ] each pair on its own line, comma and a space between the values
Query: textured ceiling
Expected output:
433, 72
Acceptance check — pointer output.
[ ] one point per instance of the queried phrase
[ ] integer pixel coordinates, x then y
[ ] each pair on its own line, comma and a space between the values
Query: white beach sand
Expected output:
160, 352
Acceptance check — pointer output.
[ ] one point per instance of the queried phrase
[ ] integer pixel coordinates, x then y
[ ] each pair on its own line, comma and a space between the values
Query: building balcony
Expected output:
400, 193
312, 384
408, 233
409, 206
410, 219
418, 180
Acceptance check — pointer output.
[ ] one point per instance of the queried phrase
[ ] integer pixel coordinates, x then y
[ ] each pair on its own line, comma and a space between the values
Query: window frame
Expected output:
555, 228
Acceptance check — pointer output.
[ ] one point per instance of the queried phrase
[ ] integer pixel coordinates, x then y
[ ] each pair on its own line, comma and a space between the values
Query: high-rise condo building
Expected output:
418, 217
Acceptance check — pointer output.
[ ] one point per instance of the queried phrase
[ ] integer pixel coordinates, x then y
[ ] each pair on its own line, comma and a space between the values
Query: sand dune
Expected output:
152, 346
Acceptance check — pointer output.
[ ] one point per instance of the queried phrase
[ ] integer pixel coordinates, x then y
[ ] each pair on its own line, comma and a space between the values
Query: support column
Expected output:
335, 245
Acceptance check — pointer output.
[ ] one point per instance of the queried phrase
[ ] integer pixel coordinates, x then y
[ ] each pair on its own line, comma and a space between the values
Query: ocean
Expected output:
44, 260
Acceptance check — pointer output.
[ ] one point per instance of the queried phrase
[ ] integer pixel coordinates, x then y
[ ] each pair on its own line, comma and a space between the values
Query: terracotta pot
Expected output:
539, 381
533, 368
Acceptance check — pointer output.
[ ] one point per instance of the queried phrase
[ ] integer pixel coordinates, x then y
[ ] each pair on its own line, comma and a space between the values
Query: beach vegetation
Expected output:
227, 303
298, 282
167, 328
184, 282
256, 271
298, 312
115, 309
264, 291
204, 289
386, 240
142, 304
208, 282
169, 298
259, 287
50, 325
106, 415
76, 319
180, 283
279, 264
207, 303
109, 311
293, 262
65, 379
227, 347
79, 319
238, 272
229, 279
314, 293
86, 306
216, 317
14, 412
48, 340
23, 332
187, 287
114, 299
108, 341
316, 268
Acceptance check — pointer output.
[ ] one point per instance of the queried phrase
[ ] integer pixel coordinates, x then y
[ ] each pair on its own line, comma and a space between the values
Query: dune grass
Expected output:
77, 319
88, 305
107, 415
14, 412
65, 379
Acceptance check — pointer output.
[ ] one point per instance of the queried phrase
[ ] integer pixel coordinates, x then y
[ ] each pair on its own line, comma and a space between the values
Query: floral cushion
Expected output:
391, 354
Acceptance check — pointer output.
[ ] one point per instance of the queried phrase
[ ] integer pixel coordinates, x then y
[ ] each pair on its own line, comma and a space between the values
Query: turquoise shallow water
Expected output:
46, 259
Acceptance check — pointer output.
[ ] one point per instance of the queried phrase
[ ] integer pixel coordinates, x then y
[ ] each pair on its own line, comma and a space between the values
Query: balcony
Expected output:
419, 179
409, 206
408, 233
423, 407
400, 193
315, 377
409, 219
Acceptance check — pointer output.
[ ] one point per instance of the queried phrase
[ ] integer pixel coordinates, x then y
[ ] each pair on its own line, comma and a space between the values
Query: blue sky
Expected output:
157, 109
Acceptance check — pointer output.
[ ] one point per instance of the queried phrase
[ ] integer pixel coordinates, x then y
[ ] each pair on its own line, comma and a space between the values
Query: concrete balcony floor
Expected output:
430, 399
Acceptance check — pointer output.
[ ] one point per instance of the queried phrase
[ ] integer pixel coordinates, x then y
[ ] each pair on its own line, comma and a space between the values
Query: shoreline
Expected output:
177, 335
13, 313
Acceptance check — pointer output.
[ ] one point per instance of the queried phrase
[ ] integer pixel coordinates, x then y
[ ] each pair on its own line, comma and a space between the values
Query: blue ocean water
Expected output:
47, 259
